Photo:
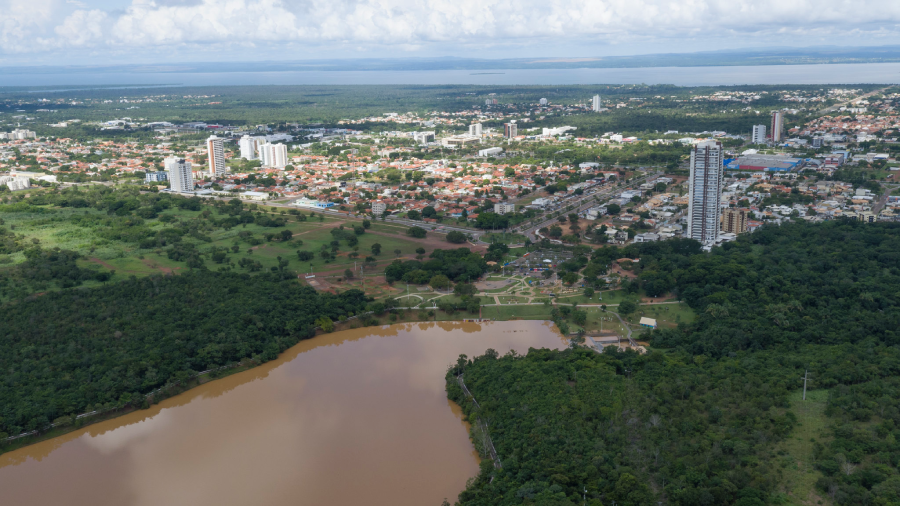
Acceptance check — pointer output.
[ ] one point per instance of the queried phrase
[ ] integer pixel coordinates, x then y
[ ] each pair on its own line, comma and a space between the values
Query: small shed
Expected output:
648, 322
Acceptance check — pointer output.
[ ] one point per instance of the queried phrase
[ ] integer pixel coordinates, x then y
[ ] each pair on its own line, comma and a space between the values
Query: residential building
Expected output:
17, 134
777, 125
510, 130
705, 185
180, 177
759, 134
817, 142
215, 149
378, 208
273, 155
596, 104
459, 140
155, 177
248, 147
490, 151
503, 208
423, 137
734, 221
16, 182
475, 129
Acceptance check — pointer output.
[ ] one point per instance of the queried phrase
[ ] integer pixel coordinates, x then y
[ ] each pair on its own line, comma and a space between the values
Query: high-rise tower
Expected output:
705, 191
215, 148
181, 179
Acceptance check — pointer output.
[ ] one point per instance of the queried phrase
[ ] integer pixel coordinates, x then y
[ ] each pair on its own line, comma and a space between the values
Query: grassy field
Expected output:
796, 451
666, 315
503, 238
609, 297
55, 230
513, 312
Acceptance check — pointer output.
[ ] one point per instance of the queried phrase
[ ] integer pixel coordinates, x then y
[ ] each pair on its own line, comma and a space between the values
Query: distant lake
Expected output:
880, 73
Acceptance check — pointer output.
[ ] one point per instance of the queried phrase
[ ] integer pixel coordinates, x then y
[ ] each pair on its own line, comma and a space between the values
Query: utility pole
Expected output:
805, 377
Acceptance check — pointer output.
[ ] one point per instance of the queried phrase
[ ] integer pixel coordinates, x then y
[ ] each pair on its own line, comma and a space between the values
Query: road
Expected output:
584, 203
888, 189
842, 104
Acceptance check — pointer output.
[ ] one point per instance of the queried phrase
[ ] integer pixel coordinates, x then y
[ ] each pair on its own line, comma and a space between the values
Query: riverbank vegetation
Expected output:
709, 415
79, 350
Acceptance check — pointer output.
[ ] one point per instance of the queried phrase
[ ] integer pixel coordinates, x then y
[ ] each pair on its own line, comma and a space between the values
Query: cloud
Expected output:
82, 28
445, 23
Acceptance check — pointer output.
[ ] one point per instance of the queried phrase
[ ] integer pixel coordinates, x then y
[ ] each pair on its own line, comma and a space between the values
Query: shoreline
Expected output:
154, 401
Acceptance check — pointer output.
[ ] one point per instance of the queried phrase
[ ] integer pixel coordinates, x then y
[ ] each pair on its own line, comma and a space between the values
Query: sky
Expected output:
103, 32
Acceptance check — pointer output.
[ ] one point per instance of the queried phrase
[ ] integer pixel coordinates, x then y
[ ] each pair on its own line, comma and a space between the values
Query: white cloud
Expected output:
82, 27
422, 23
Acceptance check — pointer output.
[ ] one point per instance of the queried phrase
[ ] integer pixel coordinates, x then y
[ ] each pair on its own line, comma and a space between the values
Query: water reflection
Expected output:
356, 417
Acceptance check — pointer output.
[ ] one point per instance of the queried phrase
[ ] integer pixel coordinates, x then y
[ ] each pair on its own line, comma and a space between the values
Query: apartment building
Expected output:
180, 177
215, 149
734, 221
705, 185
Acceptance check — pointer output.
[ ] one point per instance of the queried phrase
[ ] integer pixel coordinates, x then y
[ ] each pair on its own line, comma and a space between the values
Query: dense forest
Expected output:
78, 350
698, 419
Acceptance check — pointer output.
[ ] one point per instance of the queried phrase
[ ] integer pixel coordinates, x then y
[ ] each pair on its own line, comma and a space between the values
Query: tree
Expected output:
456, 237
417, 232
439, 282
613, 209
398, 252
414, 215
626, 307
465, 289
366, 224
569, 278
429, 212
588, 292
348, 274
420, 250
376, 249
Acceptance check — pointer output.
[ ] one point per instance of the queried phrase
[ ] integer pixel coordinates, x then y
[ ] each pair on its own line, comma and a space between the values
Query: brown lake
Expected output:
354, 417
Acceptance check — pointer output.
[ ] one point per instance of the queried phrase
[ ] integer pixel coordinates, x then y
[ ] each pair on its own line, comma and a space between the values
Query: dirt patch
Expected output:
657, 300
101, 262
432, 242
617, 269
166, 270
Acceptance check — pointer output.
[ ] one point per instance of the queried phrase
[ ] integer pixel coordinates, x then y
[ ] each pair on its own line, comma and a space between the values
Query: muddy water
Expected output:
356, 417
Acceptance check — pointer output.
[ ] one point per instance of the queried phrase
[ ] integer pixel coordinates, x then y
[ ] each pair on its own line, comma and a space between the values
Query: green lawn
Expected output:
530, 312
666, 315
800, 475
507, 299
610, 297
503, 238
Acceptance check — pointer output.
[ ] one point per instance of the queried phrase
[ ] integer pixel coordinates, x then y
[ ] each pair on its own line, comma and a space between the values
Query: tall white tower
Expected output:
777, 125
180, 178
475, 129
596, 105
273, 155
759, 134
705, 191
248, 147
215, 148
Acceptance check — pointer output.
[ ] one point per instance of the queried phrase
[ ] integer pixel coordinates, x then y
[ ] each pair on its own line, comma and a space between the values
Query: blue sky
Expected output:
53, 32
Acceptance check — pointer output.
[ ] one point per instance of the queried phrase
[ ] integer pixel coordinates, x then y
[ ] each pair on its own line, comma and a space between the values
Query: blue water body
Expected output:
880, 73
